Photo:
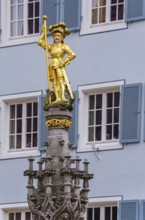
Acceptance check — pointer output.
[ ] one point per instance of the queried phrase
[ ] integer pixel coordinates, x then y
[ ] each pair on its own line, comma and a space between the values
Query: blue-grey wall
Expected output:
101, 57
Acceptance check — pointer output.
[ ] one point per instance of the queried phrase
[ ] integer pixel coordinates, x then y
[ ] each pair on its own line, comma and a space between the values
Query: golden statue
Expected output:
56, 68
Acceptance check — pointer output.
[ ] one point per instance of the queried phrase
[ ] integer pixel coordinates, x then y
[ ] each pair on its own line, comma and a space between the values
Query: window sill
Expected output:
86, 29
19, 40
20, 153
101, 146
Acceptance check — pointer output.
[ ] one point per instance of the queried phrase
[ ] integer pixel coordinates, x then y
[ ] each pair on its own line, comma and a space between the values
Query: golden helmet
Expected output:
61, 28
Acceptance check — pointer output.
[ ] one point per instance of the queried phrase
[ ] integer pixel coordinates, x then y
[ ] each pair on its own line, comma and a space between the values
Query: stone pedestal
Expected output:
58, 189
58, 123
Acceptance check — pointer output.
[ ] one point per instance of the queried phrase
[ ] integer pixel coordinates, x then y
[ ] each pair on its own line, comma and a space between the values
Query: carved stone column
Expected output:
59, 189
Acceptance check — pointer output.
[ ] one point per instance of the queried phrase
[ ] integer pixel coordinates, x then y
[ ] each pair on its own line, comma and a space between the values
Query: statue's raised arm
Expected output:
60, 55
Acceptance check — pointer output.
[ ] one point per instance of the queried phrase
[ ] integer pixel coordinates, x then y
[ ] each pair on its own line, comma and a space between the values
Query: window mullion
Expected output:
102, 213
24, 126
104, 117
108, 8
15, 134
25, 19
32, 123
113, 108
23, 215
95, 119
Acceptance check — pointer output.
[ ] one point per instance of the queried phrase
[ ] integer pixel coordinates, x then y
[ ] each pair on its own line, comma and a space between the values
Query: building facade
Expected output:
108, 80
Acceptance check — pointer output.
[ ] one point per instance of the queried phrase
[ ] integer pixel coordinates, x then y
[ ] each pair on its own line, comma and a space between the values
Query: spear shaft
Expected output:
46, 41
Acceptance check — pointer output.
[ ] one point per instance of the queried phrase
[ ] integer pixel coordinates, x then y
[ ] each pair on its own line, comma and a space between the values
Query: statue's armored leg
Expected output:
56, 87
62, 90
61, 84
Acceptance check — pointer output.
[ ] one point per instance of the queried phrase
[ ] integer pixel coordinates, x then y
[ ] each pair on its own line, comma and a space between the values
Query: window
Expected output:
103, 208
15, 211
20, 122
23, 125
103, 15
20, 21
99, 105
19, 216
104, 11
102, 213
24, 17
103, 115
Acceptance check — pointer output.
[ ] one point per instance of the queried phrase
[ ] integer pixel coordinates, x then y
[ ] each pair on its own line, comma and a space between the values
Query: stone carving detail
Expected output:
58, 188
46, 202
58, 123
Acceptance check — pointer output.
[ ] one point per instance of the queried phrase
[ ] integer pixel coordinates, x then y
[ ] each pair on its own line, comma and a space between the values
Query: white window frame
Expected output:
24, 120
5, 209
102, 202
5, 101
84, 91
88, 28
5, 39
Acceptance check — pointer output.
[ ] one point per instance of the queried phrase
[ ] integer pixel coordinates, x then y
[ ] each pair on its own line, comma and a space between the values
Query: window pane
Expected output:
28, 140
114, 213
95, 3
91, 134
107, 213
116, 131
109, 132
12, 142
19, 126
36, 9
89, 214
113, 1
116, 99
120, 1
11, 216
37, 25
98, 117
116, 115
35, 108
102, 2
109, 100
29, 109
96, 213
19, 111
13, 13
98, 133
109, 116
120, 12
35, 140
12, 111
13, 29
113, 13
102, 15
12, 126
20, 1
30, 26
29, 125
30, 10
20, 12
91, 101
91, 118
98, 101
95, 16
18, 216
13, 2
20, 28
35, 124
28, 216
18, 142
